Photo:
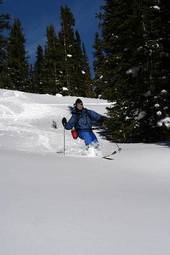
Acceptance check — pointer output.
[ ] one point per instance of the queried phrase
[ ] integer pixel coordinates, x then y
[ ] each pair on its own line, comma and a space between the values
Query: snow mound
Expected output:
9, 93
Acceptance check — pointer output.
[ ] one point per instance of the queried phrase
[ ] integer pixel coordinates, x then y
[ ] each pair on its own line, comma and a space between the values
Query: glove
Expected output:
64, 121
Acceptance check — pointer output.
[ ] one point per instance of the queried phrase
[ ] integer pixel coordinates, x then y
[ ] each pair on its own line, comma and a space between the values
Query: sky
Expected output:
35, 15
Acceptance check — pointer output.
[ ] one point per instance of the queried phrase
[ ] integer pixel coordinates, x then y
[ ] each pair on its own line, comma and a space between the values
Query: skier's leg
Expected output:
91, 142
93, 137
94, 141
87, 136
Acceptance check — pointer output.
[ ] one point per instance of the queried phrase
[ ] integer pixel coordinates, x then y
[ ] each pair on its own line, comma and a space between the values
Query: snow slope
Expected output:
26, 121
51, 204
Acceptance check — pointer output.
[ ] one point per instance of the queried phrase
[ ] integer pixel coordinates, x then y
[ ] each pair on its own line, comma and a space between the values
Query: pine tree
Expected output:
38, 72
53, 60
76, 80
165, 35
88, 84
98, 67
82, 75
164, 96
4, 25
68, 39
132, 50
31, 79
122, 72
18, 69
155, 100
79, 72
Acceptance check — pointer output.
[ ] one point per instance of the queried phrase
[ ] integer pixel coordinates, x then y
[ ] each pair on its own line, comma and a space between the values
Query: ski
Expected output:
60, 152
112, 153
107, 158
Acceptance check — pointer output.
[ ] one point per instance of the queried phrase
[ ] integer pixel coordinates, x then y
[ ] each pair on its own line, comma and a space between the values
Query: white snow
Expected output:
157, 45
129, 71
139, 48
148, 93
141, 115
165, 121
165, 108
164, 91
69, 55
115, 36
159, 113
65, 89
56, 204
127, 118
157, 105
59, 95
156, 7
134, 71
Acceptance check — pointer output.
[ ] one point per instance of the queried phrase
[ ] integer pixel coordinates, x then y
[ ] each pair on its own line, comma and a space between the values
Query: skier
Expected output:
82, 121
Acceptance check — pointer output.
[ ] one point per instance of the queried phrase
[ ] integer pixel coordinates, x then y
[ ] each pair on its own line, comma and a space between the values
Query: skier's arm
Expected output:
96, 116
71, 123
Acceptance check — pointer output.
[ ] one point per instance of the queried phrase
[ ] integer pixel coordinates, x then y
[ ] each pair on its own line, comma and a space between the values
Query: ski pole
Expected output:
64, 142
54, 125
119, 149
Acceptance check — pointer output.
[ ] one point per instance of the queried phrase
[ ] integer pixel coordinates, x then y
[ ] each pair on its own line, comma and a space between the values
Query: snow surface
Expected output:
165, 121
55, 204
69, 55
156, 7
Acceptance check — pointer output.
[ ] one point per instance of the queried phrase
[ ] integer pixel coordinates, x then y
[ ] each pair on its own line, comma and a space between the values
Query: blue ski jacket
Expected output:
83, 120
